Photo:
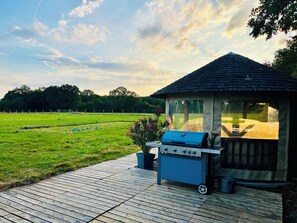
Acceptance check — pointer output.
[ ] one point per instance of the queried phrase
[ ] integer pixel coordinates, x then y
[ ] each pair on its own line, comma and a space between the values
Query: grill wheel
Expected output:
202, 189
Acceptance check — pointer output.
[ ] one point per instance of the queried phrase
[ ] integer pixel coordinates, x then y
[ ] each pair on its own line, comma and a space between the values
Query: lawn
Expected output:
35, 146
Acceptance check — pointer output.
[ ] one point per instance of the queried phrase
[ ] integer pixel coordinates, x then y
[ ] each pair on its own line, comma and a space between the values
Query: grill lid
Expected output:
185, 138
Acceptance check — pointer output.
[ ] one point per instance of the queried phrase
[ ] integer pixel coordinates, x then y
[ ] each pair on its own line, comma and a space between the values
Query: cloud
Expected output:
89, 34
149, 32
53, 58
40, 28
124, 65
239, 19
22, 32
62, 23
3, 54
282, 42
68, 30
86, 8
177, 25
56, 60
172, 24
108, 74
76, 34
81, 34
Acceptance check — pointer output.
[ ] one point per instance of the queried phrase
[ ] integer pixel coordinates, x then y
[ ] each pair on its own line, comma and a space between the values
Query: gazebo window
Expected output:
186, 115
253, 120
250, 134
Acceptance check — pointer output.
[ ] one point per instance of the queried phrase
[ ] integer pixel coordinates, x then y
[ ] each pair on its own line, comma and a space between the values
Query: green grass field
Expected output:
38, 145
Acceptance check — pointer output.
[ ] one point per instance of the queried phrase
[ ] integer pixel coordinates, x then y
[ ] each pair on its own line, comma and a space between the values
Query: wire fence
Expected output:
77, 111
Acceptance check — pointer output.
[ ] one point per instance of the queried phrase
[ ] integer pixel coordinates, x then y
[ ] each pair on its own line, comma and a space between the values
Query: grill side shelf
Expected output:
153, 144
212, 150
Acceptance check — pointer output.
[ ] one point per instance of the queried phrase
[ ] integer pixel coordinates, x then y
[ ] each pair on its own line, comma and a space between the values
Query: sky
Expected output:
142, 45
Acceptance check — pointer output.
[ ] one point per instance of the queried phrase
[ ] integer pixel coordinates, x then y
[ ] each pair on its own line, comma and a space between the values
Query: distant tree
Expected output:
70, 96
272, 16
87, 92
24, 89
36, 100
64, 97
17, 98
51, 97
285, 60
90, 100
122, 91
121, 99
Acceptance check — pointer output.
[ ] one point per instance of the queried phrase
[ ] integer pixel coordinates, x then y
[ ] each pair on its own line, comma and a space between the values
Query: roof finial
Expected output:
248, 78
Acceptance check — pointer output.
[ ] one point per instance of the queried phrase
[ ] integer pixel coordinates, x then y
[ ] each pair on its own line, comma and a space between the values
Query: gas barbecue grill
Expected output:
182, 157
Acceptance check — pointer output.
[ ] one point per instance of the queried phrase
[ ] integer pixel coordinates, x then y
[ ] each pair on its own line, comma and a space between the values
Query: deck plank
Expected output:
105, 219
73, 201
47, 213
120, 218
14, 218
128, 216
72, 204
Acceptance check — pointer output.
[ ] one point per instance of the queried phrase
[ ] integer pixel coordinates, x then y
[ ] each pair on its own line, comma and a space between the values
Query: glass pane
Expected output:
246, 119
186, 115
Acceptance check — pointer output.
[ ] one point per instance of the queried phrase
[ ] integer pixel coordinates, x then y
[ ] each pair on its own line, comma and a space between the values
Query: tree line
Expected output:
70, 98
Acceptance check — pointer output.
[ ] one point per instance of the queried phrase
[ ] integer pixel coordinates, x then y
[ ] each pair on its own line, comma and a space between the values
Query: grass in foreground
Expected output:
36, 146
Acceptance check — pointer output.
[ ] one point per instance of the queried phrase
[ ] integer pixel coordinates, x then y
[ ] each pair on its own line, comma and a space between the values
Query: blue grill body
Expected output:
190, 170
176, 161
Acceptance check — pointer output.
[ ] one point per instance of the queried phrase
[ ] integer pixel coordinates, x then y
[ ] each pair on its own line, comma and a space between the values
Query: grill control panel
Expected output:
179, 150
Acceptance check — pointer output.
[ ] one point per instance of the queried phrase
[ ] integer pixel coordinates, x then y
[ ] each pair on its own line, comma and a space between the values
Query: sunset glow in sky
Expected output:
103, 44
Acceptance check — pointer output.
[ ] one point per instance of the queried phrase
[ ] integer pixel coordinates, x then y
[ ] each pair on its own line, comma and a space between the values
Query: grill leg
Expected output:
159, 180
159, 168
209, 179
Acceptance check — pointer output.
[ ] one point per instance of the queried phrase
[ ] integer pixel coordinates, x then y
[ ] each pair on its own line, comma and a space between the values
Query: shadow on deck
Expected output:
116, 191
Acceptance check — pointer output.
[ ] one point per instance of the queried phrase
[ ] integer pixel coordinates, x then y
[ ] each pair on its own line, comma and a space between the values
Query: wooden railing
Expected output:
249, 154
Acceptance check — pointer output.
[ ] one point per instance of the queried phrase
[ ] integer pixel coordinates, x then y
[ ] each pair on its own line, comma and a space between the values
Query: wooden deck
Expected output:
116, 191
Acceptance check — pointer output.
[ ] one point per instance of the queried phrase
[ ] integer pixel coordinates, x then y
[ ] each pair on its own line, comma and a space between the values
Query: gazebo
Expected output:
250, 106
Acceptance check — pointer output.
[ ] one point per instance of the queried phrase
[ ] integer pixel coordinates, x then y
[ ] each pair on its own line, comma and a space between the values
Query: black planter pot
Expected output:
145, 161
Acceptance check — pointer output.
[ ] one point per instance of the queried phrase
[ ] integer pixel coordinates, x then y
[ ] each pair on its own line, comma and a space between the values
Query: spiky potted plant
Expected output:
146, 130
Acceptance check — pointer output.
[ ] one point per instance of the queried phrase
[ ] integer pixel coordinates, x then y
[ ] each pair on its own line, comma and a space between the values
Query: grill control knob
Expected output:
184, 151
189, 151
166, 149
194, 152
175, 150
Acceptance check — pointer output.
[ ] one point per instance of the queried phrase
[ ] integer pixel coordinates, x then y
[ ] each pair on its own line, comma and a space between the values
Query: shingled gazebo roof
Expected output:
231, 73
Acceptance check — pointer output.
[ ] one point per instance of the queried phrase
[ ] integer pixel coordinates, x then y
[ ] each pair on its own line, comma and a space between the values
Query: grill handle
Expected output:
178, 143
